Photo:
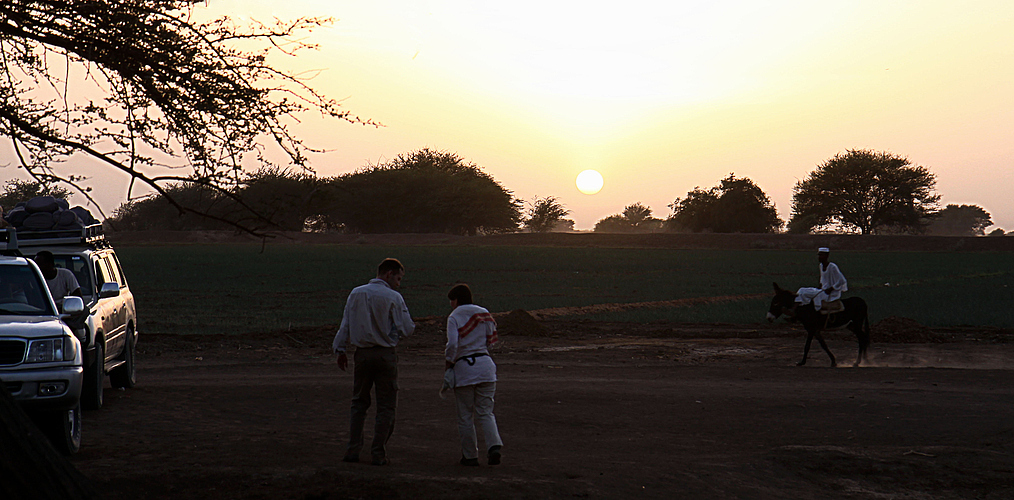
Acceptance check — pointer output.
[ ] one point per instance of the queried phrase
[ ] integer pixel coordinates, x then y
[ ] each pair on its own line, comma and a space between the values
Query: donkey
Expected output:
854, 317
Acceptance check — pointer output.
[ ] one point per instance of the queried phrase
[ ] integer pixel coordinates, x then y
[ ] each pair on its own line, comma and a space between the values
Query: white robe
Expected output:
829, 278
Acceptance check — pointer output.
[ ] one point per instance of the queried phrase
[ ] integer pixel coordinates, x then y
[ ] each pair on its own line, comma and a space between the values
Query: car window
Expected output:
119, 269
21, 292
79, 266
114, 273
101, 273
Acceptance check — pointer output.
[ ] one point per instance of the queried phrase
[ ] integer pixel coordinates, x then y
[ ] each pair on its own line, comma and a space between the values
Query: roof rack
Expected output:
89, 235
9, 242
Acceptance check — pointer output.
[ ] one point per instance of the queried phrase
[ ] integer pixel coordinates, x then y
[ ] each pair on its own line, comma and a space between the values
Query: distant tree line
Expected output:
857, 191
421, 192
426, 191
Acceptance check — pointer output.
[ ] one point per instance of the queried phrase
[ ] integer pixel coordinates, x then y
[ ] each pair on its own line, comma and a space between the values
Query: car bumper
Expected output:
45, 388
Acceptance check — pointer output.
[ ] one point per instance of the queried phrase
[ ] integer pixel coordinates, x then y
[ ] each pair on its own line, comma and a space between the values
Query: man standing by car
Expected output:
375, 319
61, 282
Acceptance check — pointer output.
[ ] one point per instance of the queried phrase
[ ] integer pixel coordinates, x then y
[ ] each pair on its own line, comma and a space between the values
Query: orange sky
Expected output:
661, 99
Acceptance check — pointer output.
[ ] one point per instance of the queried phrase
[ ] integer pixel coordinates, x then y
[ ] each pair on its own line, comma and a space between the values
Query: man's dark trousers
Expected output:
374, 367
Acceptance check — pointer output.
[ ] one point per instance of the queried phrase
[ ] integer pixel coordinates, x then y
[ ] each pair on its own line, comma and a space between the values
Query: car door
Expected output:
122, 311
107, 310
127, 311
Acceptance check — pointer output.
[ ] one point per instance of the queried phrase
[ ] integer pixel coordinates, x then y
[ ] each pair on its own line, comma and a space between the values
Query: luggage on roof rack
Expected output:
92, 235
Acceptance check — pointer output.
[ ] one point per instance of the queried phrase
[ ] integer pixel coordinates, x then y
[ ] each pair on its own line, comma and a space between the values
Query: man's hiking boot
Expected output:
494, 455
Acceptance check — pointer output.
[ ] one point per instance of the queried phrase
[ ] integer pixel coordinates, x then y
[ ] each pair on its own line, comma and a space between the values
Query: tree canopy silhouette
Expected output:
864, 191
545, 214
16, 191
424, 191
960, 220
733, 206
288, 200
142, 87
636, 218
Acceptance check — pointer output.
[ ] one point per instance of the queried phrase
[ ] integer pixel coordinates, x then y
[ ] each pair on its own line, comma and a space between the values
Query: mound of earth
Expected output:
902, 330
519, 322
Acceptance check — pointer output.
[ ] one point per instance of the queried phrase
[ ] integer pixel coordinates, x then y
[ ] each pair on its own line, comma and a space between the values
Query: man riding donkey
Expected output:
827, 298
828, 310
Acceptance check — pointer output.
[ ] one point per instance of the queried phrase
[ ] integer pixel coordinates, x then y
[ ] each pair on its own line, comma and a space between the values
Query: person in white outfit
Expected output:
832, 283
470, 332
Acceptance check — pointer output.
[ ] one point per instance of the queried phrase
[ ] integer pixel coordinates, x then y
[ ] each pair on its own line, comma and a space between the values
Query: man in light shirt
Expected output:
61, 282
375, 319
832, 283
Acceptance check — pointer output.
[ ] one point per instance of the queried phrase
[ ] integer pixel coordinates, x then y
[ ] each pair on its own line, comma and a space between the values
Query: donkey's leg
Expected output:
864, 341
806, 348
823, 345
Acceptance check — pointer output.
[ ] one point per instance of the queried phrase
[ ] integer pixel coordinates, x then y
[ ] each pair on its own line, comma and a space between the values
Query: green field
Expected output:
238, 288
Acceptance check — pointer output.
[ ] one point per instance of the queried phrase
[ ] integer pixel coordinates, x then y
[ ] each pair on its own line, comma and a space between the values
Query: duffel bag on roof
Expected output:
16, 217
40, 204
67, 219
39, 221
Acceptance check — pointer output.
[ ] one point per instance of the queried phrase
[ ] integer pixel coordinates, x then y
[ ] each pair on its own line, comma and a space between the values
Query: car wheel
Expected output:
95, 378
125, 375
64, 429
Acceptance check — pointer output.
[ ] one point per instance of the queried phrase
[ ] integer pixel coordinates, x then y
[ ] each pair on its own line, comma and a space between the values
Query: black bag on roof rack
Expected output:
39, 221
16, 217
67, 219
42, 204
85, 216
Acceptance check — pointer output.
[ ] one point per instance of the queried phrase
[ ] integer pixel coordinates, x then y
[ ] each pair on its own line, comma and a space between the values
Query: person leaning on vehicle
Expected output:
61, 282
375, 319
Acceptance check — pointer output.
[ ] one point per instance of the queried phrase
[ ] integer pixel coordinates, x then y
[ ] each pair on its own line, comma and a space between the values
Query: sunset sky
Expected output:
661, 97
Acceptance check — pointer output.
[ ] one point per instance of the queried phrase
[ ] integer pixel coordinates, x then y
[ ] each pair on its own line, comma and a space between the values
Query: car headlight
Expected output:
49, 350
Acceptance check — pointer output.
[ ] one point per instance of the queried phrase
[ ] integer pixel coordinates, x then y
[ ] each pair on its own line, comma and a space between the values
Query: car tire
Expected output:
125, 375
63, 429
95, 379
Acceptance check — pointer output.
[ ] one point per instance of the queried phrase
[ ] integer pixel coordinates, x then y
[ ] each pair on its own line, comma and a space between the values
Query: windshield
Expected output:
22, 292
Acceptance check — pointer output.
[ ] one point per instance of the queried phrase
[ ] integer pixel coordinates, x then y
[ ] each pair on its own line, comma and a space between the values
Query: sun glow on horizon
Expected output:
663, 97
589, 182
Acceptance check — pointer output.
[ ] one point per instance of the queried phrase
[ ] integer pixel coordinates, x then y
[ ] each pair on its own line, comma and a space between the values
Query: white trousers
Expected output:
475, 404
806, 295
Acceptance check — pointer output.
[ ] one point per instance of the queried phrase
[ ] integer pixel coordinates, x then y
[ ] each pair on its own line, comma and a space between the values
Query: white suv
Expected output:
108, 332
41, 362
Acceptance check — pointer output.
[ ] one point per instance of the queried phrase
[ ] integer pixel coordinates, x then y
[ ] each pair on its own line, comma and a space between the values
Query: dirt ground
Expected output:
585, 409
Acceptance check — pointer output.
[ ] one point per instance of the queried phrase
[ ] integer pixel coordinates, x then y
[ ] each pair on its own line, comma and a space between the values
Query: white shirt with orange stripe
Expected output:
470, 332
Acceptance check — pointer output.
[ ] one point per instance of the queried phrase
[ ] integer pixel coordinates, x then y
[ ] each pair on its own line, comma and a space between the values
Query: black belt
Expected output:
470, 359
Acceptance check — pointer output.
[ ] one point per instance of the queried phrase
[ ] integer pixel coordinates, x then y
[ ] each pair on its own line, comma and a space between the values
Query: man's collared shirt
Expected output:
375, 316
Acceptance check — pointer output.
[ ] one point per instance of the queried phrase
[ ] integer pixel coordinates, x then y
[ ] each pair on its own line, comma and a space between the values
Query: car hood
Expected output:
31, 327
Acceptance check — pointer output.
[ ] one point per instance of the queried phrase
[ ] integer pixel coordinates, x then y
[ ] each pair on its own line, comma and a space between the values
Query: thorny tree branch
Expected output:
177, 94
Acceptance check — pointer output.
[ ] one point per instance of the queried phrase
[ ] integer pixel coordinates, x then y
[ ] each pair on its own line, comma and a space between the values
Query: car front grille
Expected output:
12, 352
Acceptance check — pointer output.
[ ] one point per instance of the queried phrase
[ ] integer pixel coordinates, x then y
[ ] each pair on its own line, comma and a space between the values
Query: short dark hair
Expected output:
388, 265
460, 293
46, 257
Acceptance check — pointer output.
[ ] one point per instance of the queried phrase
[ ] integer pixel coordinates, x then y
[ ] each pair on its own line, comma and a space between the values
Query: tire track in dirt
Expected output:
553, 312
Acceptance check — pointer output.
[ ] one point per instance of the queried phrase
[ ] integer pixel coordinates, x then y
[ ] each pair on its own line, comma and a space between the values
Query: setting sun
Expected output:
589, 182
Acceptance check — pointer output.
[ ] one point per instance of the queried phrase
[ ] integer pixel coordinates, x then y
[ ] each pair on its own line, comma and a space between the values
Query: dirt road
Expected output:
586, 410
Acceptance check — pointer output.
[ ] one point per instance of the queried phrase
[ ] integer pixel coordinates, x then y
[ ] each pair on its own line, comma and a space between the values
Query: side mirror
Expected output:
109, 290
73, 305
